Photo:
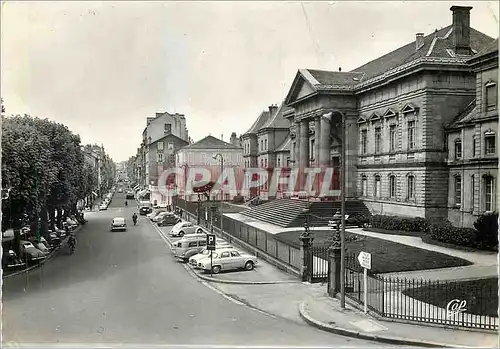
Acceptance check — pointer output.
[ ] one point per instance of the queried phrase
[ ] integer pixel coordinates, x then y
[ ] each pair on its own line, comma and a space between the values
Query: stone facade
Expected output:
392, 112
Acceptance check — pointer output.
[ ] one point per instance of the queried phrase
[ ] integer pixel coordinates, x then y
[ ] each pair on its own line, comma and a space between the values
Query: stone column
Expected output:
324, 147
306, 256
334, 259
317, 130
304, 144
296, 151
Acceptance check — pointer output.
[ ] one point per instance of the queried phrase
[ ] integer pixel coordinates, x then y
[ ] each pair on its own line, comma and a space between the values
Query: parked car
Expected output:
183, 228
357, 219
41, 246
189, 245
11, 260
130, 194
30, 252
103, 207
194, 260
118, 223
54, 239
155, 213
168, 219
145, 209
230, 259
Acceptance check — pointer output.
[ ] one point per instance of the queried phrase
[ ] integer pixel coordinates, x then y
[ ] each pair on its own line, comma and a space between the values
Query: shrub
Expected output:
445, 232
487, 230
398, 223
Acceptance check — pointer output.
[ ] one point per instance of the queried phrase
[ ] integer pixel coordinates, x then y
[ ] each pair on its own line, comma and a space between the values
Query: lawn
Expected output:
481, 295
387, 256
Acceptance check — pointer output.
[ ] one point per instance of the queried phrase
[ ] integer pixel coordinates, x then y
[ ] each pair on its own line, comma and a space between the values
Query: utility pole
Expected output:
221, 185
342, 212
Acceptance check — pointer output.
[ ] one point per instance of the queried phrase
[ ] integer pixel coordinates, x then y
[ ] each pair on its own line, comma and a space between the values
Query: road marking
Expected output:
206, 284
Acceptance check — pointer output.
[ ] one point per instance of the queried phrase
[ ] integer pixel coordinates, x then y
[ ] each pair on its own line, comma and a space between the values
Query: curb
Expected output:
379, 338
51, 256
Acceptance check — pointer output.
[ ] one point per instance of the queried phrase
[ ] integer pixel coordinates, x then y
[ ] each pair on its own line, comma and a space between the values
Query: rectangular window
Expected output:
474, 146
160, 145
489, 144
159, 157
488, 194
472, 192
392, 140
203, 158
458, 190
491, 97
364, 141
392, 186
265, 144
378, 139
172, 158
170, 146
411, 134
364, 185
311, 150
168, 129
279, 162
458, 149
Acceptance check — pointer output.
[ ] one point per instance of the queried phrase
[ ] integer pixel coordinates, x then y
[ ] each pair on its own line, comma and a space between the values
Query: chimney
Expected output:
461, 29
222, 136
419, 41
233, 139
272, 110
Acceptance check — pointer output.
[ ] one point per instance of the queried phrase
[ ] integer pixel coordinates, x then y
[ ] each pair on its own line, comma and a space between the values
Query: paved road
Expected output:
125, 287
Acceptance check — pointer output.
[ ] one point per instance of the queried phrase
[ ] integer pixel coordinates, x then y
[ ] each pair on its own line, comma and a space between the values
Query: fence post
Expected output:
306, 257
333, 270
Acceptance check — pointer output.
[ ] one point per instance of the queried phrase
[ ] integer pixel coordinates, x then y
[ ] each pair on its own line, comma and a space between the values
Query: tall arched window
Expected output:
489, 193
392, 186
377, 186
364, 185
410, 187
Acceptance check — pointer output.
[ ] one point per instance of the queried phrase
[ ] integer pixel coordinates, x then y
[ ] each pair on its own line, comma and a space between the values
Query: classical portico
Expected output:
316, 127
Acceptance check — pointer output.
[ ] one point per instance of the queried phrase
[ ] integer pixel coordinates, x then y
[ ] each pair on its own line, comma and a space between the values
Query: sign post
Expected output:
211, 248
365, 260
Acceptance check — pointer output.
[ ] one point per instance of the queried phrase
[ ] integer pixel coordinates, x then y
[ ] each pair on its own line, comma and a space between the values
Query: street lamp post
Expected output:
342, 212
222, 183
185, 166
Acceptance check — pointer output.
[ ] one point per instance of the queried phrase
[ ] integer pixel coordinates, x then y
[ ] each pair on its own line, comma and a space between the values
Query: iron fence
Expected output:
468, 304
320, 264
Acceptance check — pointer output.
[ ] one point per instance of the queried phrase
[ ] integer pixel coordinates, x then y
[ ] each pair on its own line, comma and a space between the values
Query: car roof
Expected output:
118, 218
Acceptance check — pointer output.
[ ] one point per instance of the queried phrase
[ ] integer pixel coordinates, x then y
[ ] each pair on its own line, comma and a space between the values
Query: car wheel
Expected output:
249, 265
216, 269
199, 231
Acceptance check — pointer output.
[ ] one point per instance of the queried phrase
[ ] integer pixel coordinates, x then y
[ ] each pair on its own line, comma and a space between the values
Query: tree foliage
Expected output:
45, 167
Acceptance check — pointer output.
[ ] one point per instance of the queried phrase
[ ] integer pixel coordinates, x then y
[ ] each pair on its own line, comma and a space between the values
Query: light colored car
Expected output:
194, 260
118, 223
230, 259
183, 228
30, 252
103, 207
158, 216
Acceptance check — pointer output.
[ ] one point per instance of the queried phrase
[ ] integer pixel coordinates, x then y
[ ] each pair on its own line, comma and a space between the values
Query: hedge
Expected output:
483, 236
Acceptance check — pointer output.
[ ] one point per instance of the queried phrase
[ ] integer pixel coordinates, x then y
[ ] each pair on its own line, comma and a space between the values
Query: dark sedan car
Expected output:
144, 210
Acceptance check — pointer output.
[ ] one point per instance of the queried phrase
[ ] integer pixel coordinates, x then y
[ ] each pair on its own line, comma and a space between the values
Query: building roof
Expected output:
437, 44
436, 48
261, 120
492, 47
277, 121
168, 136
469, 114
285, 146
210, 142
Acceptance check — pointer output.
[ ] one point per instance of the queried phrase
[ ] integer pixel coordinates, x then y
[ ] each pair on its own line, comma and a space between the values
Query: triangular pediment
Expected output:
390, 113
374, 117
409, 108
302, 86
361, 120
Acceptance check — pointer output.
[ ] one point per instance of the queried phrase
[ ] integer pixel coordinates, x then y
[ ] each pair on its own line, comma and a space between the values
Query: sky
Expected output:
102, 68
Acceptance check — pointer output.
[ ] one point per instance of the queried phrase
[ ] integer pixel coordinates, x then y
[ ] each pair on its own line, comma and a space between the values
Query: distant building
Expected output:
201, 154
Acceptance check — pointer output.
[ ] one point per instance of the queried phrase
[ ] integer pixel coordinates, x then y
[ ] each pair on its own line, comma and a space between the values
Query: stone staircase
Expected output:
288, 213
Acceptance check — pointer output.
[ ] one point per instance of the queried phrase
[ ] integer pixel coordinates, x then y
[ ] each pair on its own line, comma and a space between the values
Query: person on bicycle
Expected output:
134, 218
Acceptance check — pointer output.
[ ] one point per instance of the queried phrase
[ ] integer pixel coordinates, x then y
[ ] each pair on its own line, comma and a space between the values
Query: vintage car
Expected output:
11, 260
230, 259
103, 207
168, 219
193, 261
118, 223
29, 252
183, 228
156, 212
145, 209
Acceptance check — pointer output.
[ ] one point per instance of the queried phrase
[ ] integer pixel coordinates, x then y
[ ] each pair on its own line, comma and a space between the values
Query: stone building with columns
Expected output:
392, 112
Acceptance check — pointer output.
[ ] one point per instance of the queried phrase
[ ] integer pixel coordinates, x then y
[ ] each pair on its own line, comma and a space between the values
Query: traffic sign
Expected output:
211, 242
365, 259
